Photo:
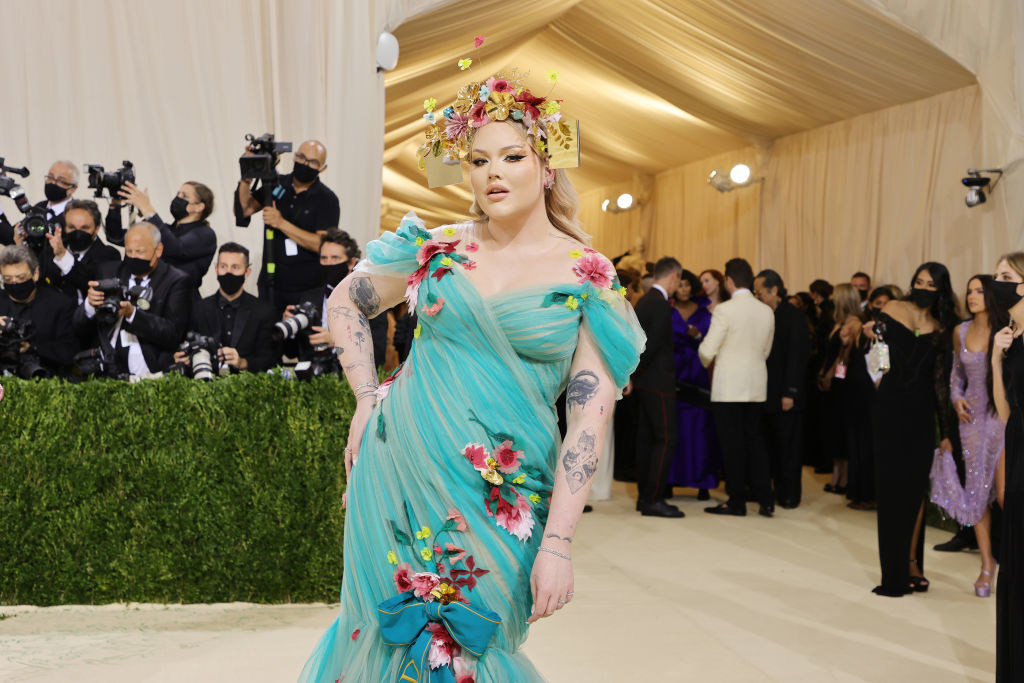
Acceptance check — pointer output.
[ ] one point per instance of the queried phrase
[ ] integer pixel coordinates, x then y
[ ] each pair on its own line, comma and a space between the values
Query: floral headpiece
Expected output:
500, 97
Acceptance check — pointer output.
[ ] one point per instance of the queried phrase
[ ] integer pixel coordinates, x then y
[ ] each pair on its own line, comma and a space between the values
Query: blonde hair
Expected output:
1015, 260
847, 301
561, 202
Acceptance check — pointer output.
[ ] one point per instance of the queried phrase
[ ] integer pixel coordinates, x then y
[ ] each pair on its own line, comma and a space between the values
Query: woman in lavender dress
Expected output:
696, 460
981, 430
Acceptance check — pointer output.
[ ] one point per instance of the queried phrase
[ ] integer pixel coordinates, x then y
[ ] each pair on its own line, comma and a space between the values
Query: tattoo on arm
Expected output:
580, 461
567, 539
364, 295
582, 387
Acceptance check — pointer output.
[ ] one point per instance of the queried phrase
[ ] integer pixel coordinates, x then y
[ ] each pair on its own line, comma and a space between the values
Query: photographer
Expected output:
189, 242
61, 183
49, 312
339, 254
304, 209
240, 322
74, 254
138, 337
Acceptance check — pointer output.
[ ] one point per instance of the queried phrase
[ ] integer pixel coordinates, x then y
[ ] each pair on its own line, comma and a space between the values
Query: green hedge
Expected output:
172, 490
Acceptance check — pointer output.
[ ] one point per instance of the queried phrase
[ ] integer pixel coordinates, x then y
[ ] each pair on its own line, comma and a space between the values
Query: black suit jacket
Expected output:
251, 333
160, 329
656, 369
787, 362
51, 314
77, 279
378, 330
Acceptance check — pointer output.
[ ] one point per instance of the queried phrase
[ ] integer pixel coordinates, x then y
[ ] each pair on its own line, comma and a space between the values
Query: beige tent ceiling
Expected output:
656, 83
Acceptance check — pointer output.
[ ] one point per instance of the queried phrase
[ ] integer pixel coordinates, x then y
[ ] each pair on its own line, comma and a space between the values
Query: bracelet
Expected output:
364, 384
554, 552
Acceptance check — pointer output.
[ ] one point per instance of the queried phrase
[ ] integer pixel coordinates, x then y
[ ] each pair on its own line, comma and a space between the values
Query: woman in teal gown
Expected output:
462, 498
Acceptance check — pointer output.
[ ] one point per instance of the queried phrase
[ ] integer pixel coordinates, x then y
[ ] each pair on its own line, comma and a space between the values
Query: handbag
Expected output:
878, 357
694, 394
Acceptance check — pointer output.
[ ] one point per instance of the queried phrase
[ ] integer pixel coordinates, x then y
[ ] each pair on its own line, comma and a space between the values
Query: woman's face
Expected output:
189, 194
506, 174
709, 283
1004, 273
684, 291
975, 297
879, 302
924, 281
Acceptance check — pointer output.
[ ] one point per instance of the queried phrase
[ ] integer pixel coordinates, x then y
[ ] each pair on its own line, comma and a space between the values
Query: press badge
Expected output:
290, 247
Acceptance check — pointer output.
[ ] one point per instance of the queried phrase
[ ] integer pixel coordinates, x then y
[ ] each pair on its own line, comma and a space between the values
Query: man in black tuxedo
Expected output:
653, 386
61, 182
74, 254
240, 322
787, 374
51, 344
140, 338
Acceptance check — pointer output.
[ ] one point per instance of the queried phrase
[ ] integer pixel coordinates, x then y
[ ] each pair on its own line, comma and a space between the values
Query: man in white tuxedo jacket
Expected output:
738, 343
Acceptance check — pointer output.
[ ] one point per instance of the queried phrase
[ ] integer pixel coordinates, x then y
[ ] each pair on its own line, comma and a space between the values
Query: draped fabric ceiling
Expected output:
656, 84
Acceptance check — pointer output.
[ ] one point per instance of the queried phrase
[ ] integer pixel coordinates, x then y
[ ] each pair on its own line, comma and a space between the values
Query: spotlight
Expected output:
625, 201
740, 174
976, 184
604, 204
718, 180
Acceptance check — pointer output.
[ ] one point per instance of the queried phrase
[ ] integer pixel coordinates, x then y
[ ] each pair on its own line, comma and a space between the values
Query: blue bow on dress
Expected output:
403, 622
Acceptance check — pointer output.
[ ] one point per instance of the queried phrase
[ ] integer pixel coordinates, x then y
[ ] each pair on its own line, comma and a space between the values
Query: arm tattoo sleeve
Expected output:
580, 461
364, 296
582, 387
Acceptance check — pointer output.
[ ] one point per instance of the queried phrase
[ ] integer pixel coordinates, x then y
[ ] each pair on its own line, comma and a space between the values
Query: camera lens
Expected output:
202, 368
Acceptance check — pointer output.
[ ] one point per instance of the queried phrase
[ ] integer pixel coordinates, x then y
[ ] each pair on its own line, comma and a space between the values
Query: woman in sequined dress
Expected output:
965, 494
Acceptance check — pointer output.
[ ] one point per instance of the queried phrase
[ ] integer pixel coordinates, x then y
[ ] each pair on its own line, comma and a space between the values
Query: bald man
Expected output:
61, 181
302, 209
139, 339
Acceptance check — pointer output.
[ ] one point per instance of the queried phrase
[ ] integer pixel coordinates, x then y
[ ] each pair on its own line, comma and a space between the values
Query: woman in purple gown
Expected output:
966, 498
696, 460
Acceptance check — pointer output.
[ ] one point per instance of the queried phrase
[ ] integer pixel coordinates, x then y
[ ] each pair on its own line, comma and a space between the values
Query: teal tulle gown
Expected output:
447, 504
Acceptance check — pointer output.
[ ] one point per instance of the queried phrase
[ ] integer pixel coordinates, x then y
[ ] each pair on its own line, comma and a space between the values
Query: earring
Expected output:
549, 184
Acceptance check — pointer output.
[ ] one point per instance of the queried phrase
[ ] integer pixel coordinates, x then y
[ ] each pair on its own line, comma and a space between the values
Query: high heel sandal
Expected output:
983, 589
919, 584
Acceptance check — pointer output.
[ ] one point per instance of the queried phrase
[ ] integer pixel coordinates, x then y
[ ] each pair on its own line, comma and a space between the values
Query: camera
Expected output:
111, 182
37, 226
114, 293
260, 165
10, 188
306, 316
13, 332
202, 353
92, 363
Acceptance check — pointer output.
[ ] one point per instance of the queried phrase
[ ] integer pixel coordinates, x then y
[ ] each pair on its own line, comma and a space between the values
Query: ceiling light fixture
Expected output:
739, 175
624, 202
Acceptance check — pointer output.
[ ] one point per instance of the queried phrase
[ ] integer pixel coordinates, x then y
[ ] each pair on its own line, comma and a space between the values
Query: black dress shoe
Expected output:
963, 540
766, 511
724, 509
588, 508
788, 504
661, 509
703, 494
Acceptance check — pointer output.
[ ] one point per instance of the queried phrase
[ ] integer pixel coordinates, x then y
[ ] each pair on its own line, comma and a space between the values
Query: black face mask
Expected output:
21, 290
923, 298
137, 266
54, 192
1005, 294
863, 294
331, 275
230, 283
78, 240
179, 208
303, 173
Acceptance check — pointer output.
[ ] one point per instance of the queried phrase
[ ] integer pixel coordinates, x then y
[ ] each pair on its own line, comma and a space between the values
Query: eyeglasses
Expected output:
59, 181
302, 159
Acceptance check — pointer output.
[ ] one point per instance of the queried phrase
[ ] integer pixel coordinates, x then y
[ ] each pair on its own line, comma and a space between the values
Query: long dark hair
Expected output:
945, 308
997, 320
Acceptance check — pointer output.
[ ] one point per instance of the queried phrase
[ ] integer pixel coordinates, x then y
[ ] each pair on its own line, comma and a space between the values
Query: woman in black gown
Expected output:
1008, 395
914, 390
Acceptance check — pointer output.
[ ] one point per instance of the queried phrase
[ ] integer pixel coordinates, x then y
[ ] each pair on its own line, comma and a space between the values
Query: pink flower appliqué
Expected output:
435, 309
507, 459
423, 583
460, 553
477, 454
457, 126
478, 41
517, 519
355, 634
464, 671
472, 246
457, 517
442, 647
595, 269
413, 282
427, 251
403, 577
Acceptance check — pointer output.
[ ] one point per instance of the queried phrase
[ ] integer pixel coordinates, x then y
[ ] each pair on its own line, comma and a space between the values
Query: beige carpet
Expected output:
702, 598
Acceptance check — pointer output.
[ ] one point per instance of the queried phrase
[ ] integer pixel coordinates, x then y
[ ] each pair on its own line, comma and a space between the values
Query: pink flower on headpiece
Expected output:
403, 577
478, 115
531, 102
498, 85
594, 268
423, 583
457, 126
478, 41
442, 647
507, 459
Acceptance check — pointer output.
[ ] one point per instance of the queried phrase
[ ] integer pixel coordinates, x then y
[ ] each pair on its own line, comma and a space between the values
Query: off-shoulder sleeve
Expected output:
393, 254
614, 330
